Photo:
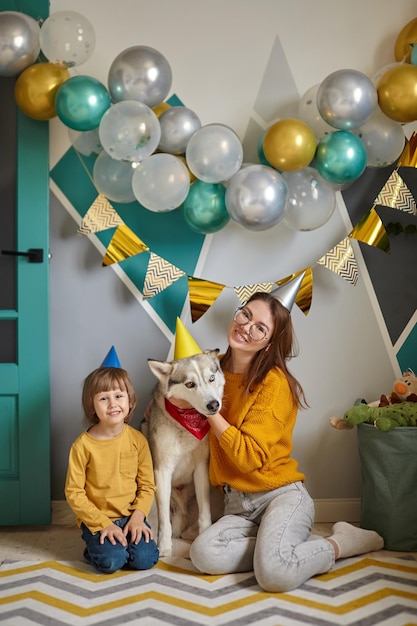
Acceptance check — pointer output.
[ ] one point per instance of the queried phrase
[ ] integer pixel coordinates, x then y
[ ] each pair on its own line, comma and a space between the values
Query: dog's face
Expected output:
197, 381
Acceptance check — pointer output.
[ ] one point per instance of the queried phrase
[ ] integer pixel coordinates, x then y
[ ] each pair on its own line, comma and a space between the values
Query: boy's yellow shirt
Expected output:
108, 479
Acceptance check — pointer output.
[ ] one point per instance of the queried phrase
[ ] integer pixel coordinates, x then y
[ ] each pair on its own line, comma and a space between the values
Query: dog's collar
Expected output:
192, 420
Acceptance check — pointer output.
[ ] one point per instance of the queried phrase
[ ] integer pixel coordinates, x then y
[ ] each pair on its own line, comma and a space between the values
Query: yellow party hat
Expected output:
184, 343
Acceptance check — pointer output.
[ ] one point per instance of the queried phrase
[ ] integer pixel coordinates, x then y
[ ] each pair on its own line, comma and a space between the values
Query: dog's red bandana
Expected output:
192, 420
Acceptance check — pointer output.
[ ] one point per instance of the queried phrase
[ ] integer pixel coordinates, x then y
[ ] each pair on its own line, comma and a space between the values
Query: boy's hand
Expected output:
137, 527
113, 533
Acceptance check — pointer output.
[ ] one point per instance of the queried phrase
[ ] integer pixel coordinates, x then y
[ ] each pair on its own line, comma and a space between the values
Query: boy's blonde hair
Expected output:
106, 379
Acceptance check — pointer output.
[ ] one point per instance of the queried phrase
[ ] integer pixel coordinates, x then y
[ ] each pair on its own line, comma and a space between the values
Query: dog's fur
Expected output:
180, 459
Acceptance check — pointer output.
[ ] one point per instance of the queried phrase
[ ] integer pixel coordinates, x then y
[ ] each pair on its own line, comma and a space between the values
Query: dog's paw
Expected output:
165, 548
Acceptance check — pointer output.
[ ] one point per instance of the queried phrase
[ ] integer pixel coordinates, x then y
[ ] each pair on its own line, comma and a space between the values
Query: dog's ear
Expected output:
214, 352
161, 369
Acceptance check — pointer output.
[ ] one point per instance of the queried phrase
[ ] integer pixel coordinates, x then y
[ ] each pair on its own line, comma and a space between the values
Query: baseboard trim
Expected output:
327, 510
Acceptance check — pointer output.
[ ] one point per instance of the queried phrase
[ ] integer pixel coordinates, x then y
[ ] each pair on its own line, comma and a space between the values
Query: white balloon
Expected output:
86, 142
384, 139
161, 182
311, 199
214, 153
114, 178
129, 131
67, 37
309, 113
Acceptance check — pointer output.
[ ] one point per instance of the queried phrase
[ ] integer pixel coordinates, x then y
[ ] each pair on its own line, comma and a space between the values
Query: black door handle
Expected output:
35, 255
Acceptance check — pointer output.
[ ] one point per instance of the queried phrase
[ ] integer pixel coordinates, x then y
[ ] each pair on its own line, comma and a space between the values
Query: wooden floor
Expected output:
60, 542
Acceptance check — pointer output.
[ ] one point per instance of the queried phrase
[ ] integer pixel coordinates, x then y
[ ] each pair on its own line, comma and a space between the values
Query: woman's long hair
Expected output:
282, 346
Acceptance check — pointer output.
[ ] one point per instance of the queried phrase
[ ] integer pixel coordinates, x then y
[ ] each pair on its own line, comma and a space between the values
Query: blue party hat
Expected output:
111, 359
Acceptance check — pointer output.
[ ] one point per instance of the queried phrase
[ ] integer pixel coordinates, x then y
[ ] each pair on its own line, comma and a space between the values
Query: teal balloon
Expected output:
204, 208
261, 154
340, 157
413, 56
81, 102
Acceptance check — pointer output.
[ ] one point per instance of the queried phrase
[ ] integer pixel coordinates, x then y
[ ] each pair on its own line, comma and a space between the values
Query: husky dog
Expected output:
188, 390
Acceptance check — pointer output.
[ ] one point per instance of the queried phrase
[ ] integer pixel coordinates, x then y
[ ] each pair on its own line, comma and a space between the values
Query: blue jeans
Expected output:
109, 558
268, 532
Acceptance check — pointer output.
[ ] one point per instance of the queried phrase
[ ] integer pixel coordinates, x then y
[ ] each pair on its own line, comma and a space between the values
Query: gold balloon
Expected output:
36, 87
406, 37
397, 93
289, 145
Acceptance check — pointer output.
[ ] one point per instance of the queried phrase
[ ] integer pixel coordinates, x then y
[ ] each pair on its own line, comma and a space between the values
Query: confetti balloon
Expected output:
383, 138
161, 182
340, 157
36, 88
19, 42
67, 37
214, 153
86, 142
311, 199
257, 197
140, 73
204, 208
309, 113
129, 131
81, 102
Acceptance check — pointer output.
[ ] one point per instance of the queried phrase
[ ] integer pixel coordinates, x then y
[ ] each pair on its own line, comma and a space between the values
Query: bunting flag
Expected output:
159, 275
244, 292
123, 245
203, 293
341, 260
305, 292
396, 194
408, 157
100, 216
371, 230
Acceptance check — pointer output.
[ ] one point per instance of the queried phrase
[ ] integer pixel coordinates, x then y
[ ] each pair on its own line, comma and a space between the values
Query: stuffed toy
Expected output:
384, 418
404, 389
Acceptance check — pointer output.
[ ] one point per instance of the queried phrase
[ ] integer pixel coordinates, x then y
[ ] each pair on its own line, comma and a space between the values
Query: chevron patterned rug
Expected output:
358, 591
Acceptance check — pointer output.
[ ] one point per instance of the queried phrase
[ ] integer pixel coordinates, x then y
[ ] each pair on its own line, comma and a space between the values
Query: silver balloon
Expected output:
346, 99
140, 73
214, 153
311, 199
19, 42
177, 126
257, 197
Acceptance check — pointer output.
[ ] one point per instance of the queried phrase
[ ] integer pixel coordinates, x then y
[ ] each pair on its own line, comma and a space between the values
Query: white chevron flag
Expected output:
159, 275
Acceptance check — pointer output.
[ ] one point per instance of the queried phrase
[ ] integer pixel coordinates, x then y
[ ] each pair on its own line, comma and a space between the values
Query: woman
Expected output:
268, 515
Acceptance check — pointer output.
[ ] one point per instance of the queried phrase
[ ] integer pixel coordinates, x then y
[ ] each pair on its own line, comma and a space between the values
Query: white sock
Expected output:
352, 540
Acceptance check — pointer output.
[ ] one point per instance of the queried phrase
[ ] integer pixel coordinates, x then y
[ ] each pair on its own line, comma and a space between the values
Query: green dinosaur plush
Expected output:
384, 418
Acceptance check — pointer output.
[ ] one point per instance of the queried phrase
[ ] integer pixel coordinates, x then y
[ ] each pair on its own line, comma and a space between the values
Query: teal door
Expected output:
24, 308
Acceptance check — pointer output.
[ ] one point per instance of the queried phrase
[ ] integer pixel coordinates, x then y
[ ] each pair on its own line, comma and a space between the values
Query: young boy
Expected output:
110, 483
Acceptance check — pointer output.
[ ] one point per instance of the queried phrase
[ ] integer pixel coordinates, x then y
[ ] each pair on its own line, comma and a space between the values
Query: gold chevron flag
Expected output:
159, 275
244, 292
123, 245
202, 293
371, 230
408, 157
100, 216
341, 260
396, 194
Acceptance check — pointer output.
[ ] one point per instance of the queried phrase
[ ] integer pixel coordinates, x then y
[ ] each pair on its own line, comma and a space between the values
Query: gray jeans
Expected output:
268, 532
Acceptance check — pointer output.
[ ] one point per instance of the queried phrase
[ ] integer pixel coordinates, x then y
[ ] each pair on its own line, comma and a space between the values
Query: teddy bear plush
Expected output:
404, 389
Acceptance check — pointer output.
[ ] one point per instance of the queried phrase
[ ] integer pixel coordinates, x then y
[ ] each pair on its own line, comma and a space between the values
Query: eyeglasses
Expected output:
257, 332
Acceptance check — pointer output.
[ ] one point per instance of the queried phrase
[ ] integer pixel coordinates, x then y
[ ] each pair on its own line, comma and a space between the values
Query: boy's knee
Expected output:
143, 555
